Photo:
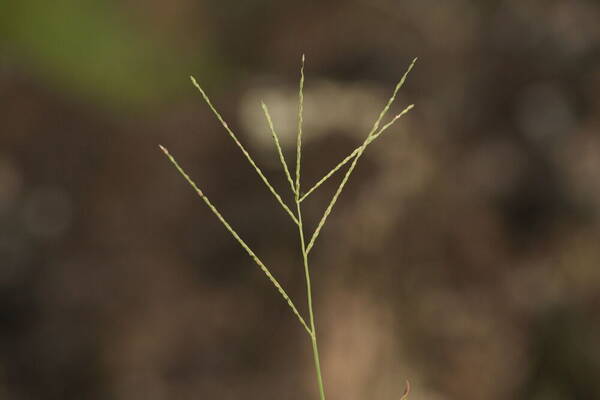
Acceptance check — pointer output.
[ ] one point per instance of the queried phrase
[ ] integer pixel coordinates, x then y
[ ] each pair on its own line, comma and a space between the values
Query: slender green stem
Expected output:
309, 300
311, 313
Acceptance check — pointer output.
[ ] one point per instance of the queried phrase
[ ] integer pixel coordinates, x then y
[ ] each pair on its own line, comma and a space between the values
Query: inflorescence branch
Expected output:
295, 185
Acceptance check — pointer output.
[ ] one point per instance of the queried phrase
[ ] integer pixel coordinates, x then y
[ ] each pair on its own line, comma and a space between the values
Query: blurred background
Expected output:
463, 256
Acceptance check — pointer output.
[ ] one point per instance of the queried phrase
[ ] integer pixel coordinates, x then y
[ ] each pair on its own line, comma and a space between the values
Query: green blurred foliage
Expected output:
96, 50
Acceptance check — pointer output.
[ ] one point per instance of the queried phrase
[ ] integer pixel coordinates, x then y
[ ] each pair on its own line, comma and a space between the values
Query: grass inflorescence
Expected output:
295, 188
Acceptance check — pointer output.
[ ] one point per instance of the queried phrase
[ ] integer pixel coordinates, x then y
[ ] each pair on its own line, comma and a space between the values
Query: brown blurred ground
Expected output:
463, 256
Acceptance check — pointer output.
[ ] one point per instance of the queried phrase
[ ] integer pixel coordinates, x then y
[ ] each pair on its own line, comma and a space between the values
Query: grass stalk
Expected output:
305, 248
311, 313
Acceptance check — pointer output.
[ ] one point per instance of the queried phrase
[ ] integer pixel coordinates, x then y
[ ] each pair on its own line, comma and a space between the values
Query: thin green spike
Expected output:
251, 253
244, 151
300, 120
356, 158
391, 100
354, 153
311, 312
278, 146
